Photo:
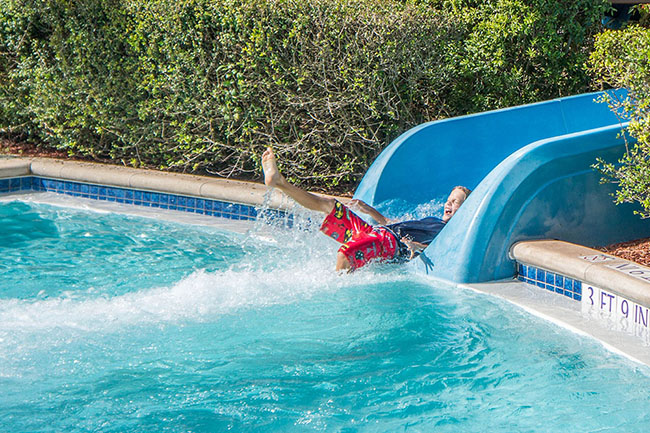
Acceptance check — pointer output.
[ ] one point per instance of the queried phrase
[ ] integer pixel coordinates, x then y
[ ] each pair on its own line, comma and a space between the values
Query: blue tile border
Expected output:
553, 282
15, 184
204, 206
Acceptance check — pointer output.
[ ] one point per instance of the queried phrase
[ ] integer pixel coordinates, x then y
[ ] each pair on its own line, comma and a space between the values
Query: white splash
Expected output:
201, 296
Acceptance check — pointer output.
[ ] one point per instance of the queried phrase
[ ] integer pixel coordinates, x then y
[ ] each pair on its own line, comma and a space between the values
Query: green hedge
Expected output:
622, 59
205, 85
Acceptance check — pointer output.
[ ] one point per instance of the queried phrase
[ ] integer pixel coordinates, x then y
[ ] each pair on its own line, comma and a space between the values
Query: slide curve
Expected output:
530, 168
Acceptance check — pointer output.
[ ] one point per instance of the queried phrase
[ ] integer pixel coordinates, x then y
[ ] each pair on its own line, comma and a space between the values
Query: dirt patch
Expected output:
8, 147
636, 251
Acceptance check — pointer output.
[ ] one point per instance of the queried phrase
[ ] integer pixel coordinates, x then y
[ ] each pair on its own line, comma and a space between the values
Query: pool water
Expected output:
118, 323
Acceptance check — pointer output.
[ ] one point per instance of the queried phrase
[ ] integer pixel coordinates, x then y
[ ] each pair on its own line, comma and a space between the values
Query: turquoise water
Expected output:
118, 323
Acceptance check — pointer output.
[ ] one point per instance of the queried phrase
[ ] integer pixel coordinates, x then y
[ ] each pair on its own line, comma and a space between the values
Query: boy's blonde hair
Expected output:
466, 190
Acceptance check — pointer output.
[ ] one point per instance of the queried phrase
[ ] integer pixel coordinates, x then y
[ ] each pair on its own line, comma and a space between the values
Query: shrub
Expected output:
205, 85
622, 59
523, 51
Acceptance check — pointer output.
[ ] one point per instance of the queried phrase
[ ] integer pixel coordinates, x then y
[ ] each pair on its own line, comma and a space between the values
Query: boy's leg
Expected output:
341, 224
375, 245
342, 262
274, 179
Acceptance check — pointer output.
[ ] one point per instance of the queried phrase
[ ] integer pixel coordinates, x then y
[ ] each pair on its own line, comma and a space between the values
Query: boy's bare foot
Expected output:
272, 176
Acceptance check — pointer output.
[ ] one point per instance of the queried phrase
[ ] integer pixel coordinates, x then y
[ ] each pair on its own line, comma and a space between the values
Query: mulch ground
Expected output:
8, 147
636, 251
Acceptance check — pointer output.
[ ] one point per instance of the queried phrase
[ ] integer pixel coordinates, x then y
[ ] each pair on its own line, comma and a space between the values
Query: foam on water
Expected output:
200, 296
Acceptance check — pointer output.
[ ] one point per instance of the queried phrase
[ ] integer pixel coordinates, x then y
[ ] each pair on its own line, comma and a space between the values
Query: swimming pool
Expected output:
115, 322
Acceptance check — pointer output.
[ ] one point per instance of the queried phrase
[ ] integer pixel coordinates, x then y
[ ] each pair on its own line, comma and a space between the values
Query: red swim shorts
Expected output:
361, 241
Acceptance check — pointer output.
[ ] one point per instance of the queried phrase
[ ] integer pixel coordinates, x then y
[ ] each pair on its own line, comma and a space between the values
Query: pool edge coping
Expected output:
213, 188
587, 265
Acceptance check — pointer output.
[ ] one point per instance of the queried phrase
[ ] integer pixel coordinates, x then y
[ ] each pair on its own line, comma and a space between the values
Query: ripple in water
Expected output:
170, 327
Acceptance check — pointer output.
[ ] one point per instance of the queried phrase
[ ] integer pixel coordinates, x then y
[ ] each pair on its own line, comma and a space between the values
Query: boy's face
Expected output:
456, 198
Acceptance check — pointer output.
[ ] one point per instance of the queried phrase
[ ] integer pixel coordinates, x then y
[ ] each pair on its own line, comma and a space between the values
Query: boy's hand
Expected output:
414, 247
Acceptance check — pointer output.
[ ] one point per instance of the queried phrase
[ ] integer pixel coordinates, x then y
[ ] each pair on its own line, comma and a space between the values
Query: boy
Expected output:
362, 242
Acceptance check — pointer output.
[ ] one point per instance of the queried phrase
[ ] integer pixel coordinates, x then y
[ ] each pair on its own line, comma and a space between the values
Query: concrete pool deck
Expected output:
600, 295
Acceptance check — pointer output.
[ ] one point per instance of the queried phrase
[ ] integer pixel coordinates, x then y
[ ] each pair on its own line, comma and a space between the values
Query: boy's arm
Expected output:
369, 210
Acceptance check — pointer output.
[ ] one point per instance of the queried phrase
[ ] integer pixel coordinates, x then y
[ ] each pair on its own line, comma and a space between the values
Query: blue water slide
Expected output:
530, 168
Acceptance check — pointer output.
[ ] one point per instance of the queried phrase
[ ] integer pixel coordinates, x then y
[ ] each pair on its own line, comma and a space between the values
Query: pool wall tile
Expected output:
205, 206
551, 281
